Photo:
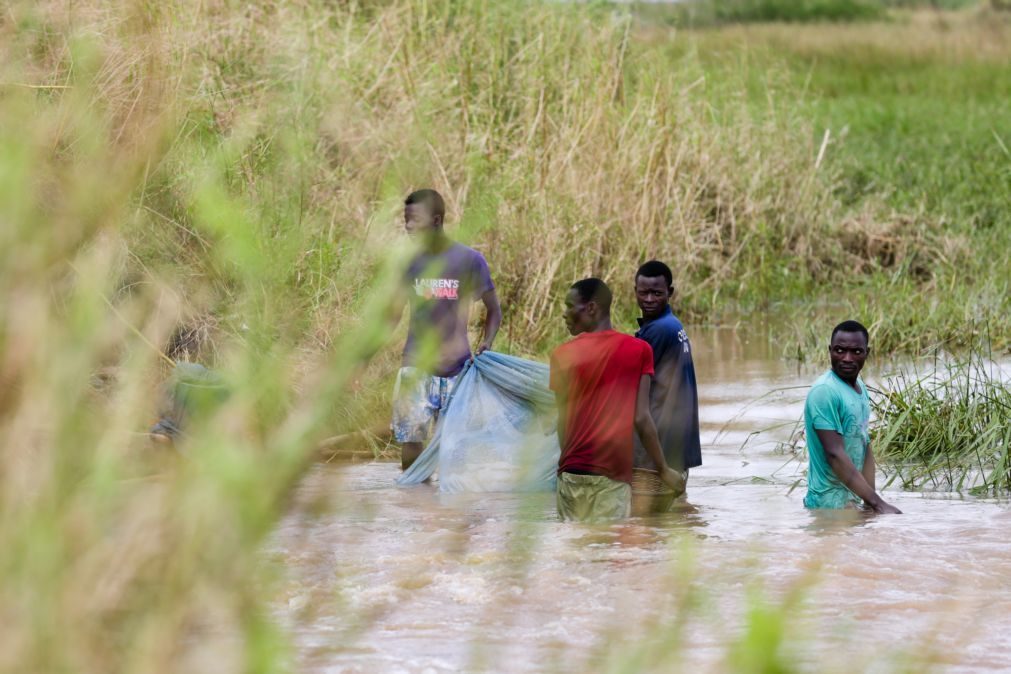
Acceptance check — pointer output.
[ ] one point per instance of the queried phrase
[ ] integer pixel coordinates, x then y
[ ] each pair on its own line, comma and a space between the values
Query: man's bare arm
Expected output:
868, 469
842, 466
395, 311
646, 429
562, 415
492, 321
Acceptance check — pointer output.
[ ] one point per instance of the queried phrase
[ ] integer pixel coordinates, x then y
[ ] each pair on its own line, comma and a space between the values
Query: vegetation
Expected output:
947, 429
237, 168
913, 118
708, 13
715, 12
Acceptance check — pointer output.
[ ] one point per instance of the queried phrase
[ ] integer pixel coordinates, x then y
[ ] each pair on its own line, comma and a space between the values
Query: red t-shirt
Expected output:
597, 374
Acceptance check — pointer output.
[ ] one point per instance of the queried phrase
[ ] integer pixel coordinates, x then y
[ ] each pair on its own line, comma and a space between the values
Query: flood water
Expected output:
387, 579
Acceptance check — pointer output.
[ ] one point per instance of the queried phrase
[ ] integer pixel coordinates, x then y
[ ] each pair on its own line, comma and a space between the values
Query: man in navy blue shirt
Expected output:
674, 398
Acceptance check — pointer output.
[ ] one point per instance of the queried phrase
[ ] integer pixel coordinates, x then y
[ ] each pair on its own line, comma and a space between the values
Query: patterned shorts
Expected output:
418, 398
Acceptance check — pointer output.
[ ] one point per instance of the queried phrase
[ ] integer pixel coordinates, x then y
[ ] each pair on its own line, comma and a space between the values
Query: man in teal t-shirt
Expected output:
836, 416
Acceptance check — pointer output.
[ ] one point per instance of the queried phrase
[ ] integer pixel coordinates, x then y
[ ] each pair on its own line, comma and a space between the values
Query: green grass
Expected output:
948, 428
695, 13
708, 13
915, 139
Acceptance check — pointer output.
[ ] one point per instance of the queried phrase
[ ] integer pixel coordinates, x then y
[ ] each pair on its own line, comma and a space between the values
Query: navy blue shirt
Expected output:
673, 396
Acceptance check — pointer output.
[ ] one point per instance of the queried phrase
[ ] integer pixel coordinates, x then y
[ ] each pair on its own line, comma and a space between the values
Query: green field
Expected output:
914, 115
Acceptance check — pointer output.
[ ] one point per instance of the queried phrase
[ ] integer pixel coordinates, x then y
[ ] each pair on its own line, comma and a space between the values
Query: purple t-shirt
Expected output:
442, 287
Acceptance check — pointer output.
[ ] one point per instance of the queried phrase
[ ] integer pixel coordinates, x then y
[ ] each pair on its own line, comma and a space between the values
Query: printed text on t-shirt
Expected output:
437, 288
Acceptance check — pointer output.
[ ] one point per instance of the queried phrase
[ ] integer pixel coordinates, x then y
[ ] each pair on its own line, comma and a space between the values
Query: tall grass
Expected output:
567, 143
913, 116
949, 428
117, 558
566, 146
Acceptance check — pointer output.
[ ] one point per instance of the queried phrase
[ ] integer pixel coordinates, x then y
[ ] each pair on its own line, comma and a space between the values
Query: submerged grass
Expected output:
947, 429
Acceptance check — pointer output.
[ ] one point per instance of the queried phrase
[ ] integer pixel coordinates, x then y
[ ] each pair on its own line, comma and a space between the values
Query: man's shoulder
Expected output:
665, 326
563, 348
672, 322
625, 341
635, 345
464, 251
823, 389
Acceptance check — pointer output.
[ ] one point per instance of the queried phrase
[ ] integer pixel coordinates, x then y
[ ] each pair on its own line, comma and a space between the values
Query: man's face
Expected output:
848, 351
652, 293
578, 314
419, 221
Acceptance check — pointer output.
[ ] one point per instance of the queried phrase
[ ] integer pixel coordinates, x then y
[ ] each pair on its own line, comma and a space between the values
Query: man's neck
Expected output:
663, 312
602, 326
437, 243
852, 383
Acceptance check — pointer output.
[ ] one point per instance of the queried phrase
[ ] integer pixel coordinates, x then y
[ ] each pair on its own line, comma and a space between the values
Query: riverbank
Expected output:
822, 170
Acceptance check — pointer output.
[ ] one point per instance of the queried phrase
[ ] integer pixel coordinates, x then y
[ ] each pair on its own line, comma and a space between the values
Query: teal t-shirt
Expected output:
833, 405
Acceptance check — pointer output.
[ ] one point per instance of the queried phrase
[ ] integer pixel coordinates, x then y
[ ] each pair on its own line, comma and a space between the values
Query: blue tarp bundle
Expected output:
497, 432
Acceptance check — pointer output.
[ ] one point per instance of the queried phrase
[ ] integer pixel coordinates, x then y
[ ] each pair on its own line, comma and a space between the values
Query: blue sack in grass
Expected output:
497, 432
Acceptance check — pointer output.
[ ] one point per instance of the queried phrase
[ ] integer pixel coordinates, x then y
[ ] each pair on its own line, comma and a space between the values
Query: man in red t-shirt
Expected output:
601, 381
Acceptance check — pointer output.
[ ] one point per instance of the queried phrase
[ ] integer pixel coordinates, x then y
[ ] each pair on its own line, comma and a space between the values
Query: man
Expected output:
601, 380
673, 396
836, 416
443, 280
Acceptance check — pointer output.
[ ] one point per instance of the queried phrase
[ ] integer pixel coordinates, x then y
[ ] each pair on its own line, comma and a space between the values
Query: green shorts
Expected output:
592, 498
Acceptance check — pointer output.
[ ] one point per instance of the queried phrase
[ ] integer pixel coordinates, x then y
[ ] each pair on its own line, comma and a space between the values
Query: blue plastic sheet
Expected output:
497, 432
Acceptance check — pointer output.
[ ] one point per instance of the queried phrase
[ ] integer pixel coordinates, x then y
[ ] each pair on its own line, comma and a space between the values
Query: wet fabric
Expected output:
597, 374
673, 394
442, 286
417, 400
592, 498
191, 389
496, 433
833, 405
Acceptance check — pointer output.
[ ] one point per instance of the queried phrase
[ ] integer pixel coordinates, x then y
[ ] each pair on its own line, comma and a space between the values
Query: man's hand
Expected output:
484, 346
885, 508
673, 479
491, 323
842, 466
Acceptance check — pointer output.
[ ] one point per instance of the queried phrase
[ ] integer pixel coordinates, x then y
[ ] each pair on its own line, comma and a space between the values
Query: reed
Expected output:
948, 428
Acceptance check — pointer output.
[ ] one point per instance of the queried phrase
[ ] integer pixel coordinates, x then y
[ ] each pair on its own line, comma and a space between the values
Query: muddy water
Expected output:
382, 579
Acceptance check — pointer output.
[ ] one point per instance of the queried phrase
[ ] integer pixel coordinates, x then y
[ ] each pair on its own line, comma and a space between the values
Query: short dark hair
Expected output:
655, 268
851, 326
594, 290
430, 198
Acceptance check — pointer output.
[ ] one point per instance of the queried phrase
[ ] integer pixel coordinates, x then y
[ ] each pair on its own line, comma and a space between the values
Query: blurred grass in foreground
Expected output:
118, 558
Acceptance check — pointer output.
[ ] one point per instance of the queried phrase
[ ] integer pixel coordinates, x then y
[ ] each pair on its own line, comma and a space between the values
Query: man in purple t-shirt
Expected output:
441, 283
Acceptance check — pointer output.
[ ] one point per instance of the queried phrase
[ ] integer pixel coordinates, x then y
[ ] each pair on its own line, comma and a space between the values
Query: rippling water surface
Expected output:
384, 579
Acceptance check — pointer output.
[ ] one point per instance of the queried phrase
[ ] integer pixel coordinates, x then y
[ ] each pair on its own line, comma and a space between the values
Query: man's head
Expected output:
424, 212
654, 285
587, 305
848, 350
